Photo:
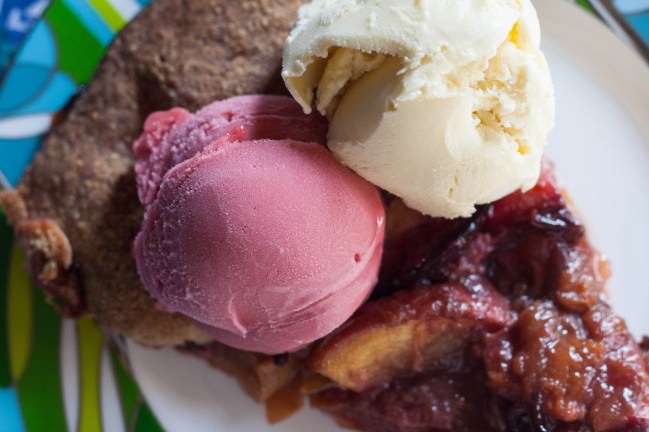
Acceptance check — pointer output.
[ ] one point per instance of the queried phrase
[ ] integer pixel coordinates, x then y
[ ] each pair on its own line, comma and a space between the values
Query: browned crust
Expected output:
49, 254
80, 189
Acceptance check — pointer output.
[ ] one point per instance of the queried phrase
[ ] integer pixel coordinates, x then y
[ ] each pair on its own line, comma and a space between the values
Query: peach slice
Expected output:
419, 330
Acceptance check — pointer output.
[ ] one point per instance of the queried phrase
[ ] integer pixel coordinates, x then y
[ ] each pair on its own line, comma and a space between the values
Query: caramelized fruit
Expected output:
547, 355
450, 402
419, 330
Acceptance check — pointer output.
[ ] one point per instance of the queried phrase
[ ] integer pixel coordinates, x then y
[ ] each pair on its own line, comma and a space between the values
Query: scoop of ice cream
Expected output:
447, 104
262, 238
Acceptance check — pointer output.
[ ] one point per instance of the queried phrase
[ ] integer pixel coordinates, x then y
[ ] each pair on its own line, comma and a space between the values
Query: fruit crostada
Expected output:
494, 323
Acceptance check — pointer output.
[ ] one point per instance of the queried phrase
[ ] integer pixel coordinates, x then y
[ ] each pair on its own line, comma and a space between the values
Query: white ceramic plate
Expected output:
601, 149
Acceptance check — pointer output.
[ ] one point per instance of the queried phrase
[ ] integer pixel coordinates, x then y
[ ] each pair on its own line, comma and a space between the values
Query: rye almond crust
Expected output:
76, 210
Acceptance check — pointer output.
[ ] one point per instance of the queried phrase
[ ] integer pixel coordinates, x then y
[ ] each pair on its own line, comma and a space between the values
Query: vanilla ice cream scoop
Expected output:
445, 103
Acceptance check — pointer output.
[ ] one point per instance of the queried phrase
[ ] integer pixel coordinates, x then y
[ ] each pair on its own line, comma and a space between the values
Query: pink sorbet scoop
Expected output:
252, 228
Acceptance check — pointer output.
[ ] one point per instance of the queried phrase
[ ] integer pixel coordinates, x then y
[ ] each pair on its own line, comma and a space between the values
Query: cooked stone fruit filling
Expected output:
495, 323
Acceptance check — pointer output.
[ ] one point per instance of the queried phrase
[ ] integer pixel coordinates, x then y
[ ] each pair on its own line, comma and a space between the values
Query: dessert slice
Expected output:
420, 403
